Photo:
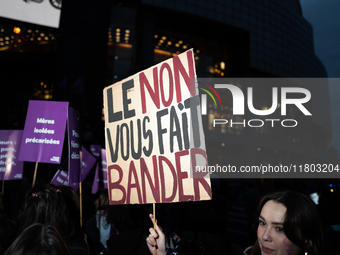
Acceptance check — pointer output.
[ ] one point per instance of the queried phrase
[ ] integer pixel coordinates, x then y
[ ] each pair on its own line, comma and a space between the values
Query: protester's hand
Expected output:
156, 239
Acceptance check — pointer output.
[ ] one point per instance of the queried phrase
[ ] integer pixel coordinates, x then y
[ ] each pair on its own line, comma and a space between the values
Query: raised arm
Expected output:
156, 239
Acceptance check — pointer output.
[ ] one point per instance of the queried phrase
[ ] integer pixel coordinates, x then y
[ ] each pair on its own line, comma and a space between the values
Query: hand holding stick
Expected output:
156, 239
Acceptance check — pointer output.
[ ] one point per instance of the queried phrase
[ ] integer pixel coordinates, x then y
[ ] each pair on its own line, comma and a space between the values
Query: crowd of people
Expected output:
49, 222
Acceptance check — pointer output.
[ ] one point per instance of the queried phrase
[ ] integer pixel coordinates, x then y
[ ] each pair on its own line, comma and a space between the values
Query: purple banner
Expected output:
61, 178
44, 132
100, 177
88, 160
10, 167
98, 180
73, 124
95, 185
95, 150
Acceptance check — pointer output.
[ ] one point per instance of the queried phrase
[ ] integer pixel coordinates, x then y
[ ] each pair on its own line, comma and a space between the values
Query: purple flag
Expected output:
88, 160
73, 145
61, 178
44, 131
95, 185
100, 177
10, 167
96, 151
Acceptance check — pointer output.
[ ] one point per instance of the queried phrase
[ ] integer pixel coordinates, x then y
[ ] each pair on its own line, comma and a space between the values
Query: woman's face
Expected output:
270, 232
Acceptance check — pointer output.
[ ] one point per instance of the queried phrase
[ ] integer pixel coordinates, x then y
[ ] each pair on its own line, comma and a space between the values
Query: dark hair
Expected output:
302, 224
48, 205
39, 239
102, 201
69, 191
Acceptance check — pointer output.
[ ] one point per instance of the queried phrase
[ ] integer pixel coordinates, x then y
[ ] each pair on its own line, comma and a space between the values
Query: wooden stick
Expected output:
35, 174
80, 205
3, 186
154, 221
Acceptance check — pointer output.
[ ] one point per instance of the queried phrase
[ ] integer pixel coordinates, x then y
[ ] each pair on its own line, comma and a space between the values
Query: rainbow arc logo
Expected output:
204, 96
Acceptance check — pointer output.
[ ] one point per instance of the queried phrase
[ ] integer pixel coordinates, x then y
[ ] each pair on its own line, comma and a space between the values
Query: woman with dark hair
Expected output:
287, 223
39, 239
48, 205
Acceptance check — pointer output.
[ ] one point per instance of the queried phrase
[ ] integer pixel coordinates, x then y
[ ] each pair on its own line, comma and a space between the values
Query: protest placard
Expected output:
100, 177
95, 150
154, 135
10, 167
62, 177
74, 165
87, 162
44, 132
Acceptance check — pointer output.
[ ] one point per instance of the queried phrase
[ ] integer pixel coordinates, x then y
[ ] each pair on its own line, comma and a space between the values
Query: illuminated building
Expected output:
98, 45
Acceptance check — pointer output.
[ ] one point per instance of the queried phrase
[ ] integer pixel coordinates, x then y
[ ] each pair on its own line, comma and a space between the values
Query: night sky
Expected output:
324, 16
